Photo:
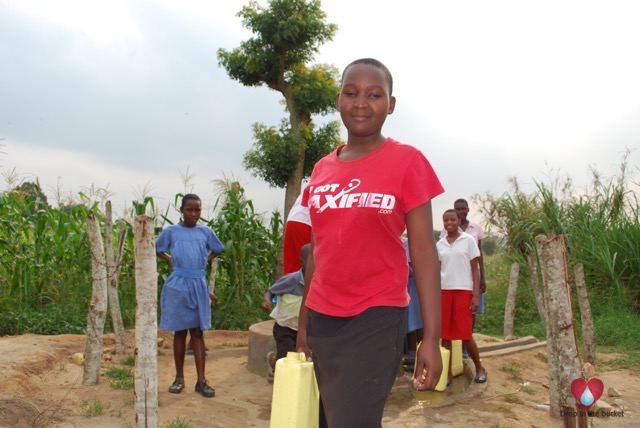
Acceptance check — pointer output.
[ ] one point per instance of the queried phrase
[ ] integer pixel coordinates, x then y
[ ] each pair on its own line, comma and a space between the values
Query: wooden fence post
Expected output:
510, 305
146, 370
537, 291
113, 270
563, 360
97, 313
588, 334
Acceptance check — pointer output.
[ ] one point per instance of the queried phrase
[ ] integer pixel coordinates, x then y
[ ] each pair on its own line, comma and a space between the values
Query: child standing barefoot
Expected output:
354, 312
185, 294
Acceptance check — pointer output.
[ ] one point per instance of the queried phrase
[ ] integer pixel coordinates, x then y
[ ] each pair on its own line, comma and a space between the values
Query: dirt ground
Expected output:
41, 386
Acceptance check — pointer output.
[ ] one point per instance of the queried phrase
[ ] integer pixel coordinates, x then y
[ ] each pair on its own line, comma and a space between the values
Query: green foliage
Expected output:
120, 378
178, 422
92, 408
288, 35
45, 274
600, 226
274, 155
247, 264
617, 328
314, 89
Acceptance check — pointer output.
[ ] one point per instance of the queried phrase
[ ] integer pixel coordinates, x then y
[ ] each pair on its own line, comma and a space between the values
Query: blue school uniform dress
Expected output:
185, 295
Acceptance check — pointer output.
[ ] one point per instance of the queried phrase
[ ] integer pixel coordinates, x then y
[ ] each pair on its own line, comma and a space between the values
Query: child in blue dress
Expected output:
185, 294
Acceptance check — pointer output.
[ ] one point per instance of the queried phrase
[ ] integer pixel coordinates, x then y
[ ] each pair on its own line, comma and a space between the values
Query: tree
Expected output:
288, 34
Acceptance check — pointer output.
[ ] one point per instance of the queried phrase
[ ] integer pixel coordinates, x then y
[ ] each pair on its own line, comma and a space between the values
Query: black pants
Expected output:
355, 361
285, 338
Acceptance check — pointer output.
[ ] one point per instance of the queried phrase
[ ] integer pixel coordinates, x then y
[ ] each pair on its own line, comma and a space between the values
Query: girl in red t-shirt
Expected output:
361, 198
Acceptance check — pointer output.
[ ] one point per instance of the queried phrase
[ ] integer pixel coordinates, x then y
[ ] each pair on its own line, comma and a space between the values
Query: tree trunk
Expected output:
563, 360
97, 307
510, 305
588, 334
112, 275
535, 284
146, 370
298, 121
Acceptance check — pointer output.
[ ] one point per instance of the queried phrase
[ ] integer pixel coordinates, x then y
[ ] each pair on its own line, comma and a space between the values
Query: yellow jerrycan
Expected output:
296, 399
444, 354
457, 366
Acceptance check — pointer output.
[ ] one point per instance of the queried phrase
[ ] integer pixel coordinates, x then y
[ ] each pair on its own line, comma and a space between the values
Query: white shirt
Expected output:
299, 213
455, 262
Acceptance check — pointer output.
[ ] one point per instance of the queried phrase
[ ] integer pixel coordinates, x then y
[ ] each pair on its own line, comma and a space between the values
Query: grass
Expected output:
120, 378
178, 422
91, 408
513, 370
129, 360
617, 328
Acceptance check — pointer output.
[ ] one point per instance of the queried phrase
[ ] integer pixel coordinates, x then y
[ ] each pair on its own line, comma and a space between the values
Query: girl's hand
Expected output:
214, 299
266, 306
475, 304
428, 366
302, 345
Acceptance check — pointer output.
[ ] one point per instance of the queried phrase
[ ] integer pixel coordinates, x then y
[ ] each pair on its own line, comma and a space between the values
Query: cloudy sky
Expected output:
128, 94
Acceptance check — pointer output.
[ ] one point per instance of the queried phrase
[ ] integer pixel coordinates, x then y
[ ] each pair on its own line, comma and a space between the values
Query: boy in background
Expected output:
288, 291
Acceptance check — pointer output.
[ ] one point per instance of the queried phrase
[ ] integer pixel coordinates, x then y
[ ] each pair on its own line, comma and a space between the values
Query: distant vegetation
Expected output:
45, 273
602, 231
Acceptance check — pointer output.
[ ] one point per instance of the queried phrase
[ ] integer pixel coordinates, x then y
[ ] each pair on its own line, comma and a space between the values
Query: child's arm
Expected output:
426, 272
483, 284
475, 275
301, 343
266, 302
167, 257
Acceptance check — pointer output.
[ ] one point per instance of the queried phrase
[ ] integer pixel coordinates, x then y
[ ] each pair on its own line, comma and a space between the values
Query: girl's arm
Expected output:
167, 257
426, 272
475, 276
483, 283
303, 316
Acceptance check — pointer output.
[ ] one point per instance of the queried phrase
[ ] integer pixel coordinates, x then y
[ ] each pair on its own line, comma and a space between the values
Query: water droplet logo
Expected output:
587, 393
586, 399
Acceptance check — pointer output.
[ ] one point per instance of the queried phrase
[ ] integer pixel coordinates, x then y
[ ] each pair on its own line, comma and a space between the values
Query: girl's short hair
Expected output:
189, 197
451, 210
374, 62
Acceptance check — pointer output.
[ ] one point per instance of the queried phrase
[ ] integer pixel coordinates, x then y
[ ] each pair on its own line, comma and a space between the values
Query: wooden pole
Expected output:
112, 274
588, 333
537, 291
563, 360
146, 370
97, 312
510, 305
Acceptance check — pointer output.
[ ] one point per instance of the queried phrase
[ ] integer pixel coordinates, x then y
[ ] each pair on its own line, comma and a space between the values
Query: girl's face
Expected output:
451, 221
364, 100
191, 212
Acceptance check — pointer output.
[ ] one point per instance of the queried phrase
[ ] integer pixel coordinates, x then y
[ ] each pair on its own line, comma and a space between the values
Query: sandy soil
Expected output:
41, 386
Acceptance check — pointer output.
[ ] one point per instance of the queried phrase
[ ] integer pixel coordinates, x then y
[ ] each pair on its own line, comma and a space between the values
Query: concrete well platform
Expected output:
261, 342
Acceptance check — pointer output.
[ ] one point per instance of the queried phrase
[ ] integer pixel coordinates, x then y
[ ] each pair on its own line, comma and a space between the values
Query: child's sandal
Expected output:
177, 386
204, 389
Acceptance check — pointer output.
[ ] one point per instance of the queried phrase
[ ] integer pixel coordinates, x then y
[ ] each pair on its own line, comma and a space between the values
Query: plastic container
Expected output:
457, 366
295, 402
442, 383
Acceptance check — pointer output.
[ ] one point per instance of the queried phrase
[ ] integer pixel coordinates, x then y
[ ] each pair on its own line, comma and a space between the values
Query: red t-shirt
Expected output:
358, 211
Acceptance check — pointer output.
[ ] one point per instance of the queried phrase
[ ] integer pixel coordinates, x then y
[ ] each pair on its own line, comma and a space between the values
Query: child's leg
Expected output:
179, 344
197, 339
472, 349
